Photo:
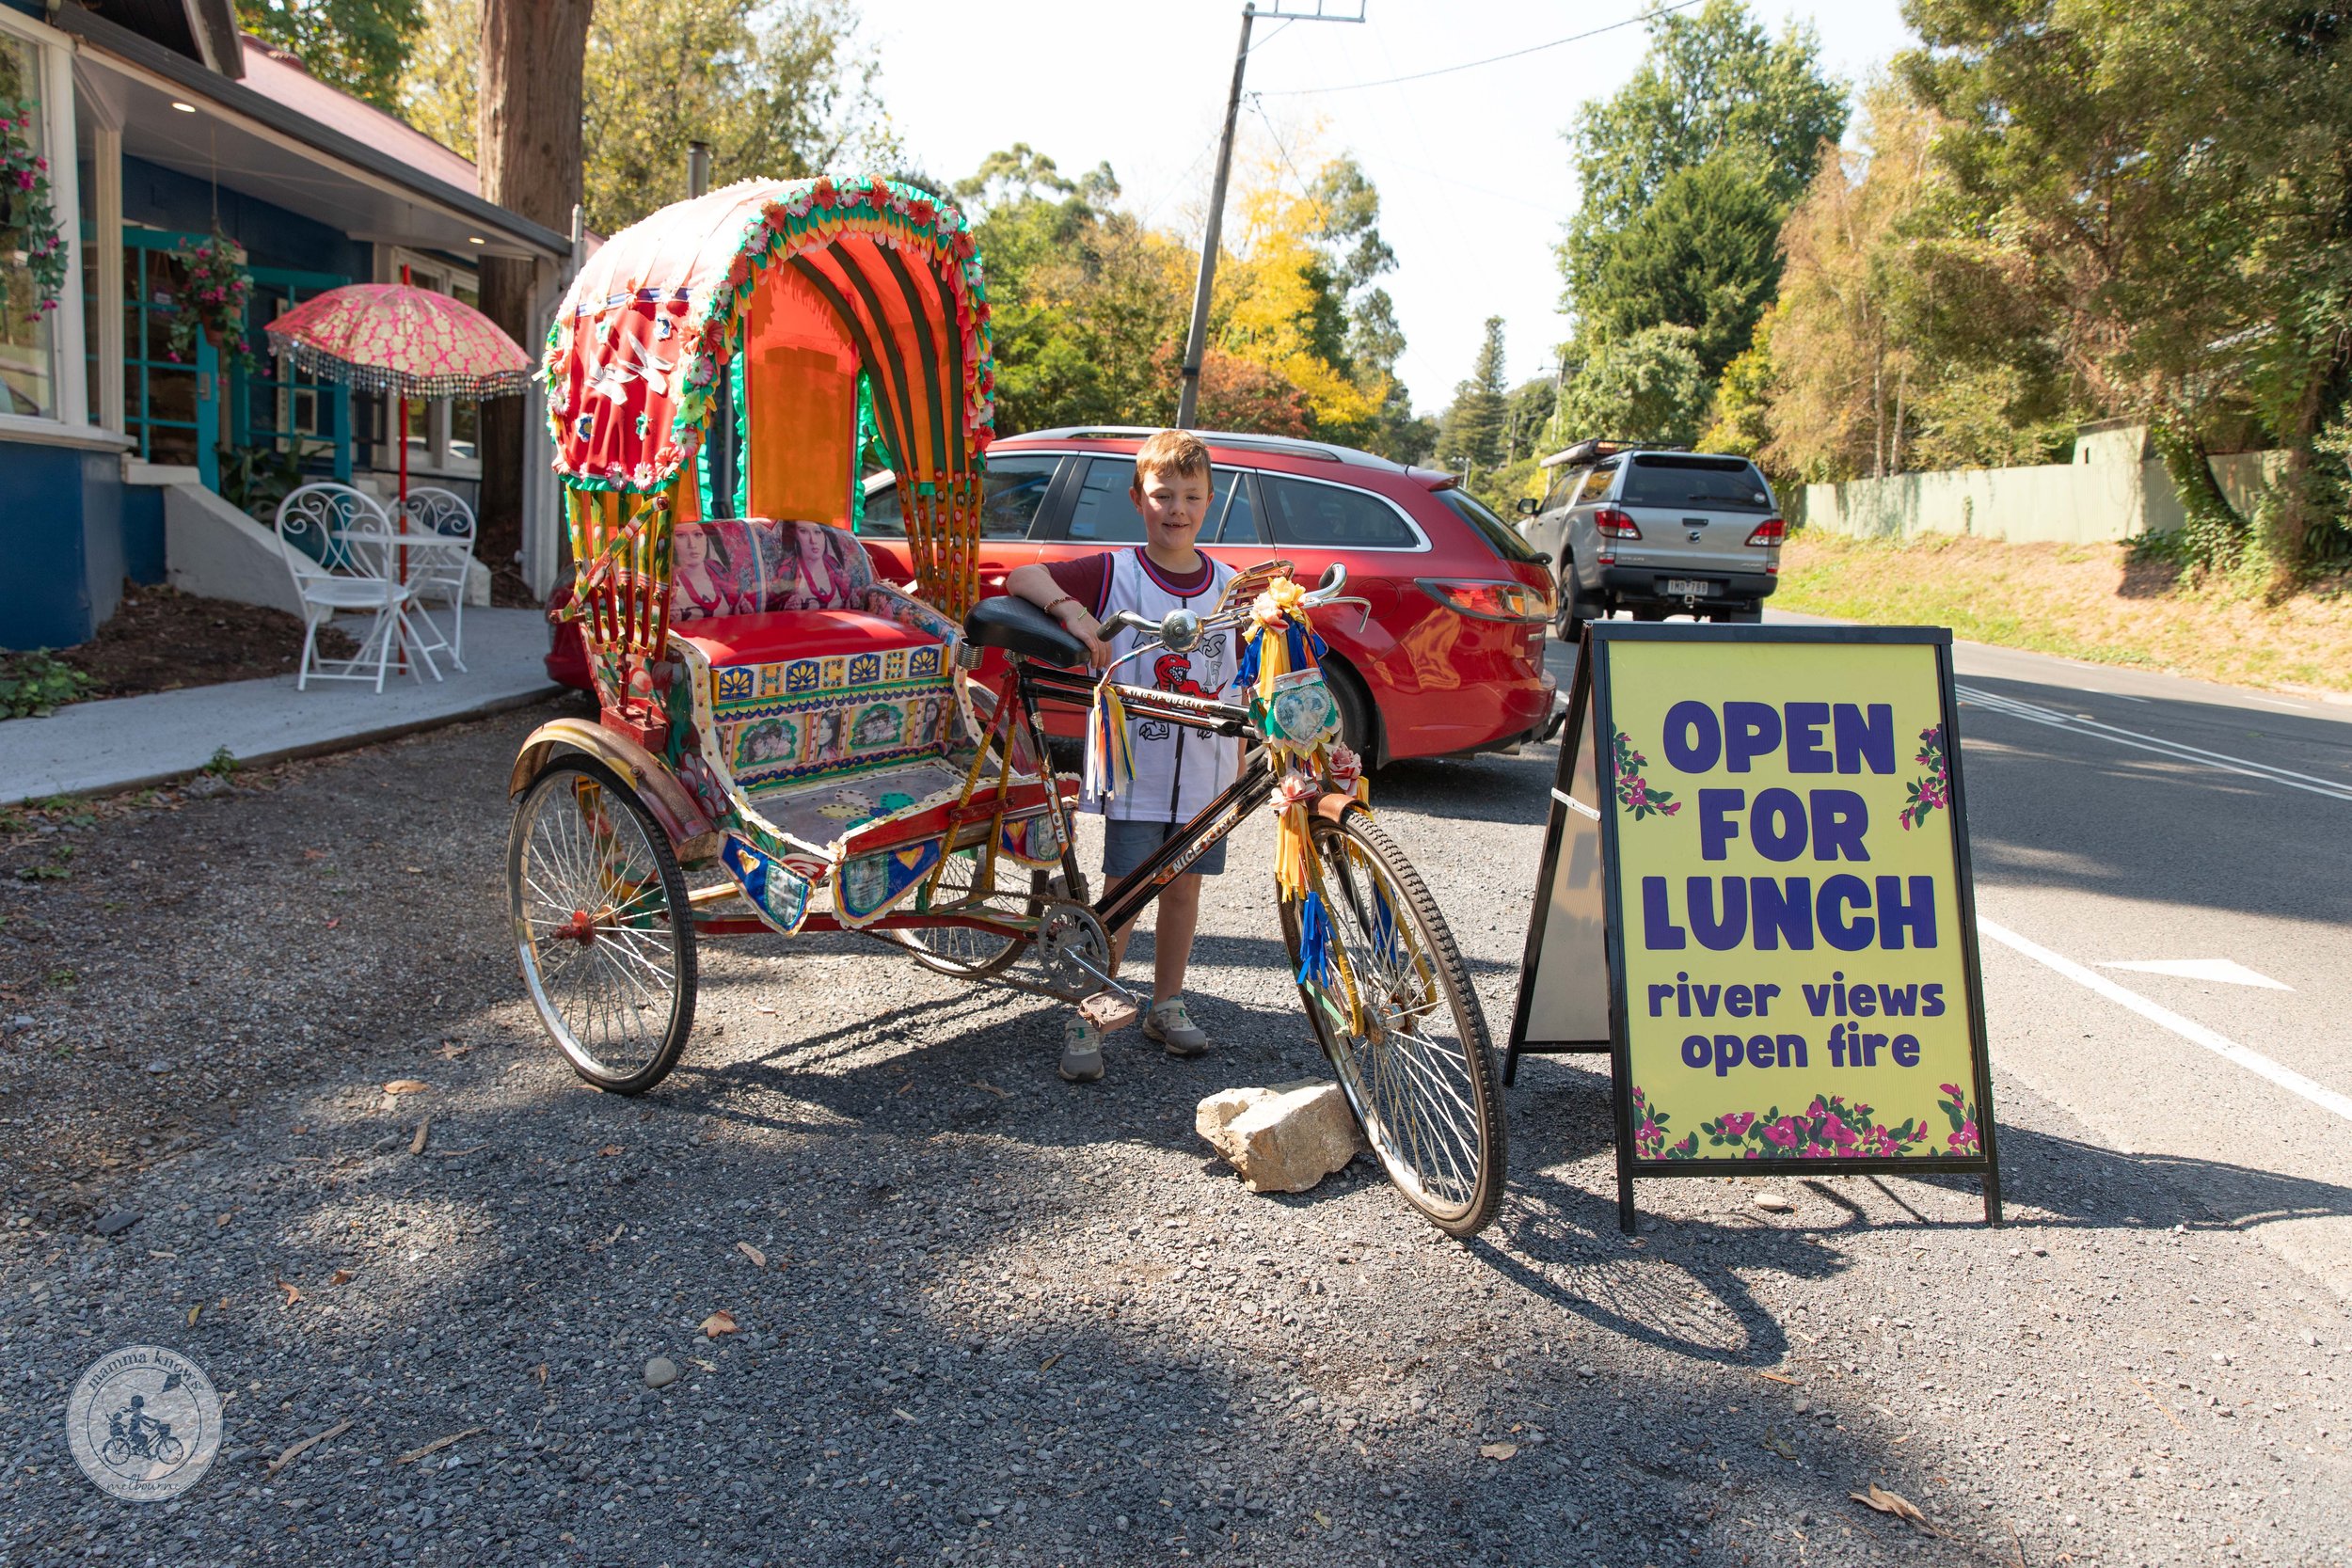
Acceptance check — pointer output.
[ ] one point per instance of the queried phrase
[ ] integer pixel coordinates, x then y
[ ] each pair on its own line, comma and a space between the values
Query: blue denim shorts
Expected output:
1127, 844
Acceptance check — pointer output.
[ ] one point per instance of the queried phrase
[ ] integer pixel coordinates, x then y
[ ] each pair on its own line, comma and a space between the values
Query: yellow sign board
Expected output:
1788, 923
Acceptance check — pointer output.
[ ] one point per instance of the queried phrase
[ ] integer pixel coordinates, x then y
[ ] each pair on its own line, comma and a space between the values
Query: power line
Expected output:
1491, 60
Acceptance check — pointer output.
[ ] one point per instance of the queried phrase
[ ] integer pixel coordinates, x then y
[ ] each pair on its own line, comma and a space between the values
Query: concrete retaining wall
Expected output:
2073, 503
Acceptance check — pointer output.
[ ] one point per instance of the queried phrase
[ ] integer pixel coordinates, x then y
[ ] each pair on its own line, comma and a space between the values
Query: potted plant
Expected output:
34, 241
209, 303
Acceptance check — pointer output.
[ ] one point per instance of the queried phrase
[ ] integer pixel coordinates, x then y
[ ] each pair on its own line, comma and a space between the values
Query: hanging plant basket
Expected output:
209, 295
29, 223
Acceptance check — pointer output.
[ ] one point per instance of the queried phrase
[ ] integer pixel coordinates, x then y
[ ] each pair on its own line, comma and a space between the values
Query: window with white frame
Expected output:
29, 373
443, 434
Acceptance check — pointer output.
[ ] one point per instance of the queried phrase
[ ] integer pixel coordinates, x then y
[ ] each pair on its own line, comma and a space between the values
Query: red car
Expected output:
1448, 662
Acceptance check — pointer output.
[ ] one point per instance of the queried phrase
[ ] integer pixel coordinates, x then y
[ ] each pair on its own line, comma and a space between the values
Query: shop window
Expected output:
27, 376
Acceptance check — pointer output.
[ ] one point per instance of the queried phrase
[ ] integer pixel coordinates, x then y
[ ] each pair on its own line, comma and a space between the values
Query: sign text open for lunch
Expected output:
1755, 895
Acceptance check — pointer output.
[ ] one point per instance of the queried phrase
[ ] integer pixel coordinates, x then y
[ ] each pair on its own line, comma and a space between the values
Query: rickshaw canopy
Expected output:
791, 326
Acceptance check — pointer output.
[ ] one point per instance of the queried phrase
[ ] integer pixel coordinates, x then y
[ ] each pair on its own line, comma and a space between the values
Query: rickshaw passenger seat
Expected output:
1019, 627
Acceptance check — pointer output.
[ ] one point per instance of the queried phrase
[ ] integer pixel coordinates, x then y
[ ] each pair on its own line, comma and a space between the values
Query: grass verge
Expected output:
2090, 602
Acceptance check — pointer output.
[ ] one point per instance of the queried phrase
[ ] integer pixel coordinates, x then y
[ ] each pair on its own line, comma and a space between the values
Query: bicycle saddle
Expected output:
1018, 627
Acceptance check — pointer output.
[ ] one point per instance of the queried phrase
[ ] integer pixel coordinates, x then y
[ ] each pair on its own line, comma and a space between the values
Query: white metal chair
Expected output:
437, 569
339, 549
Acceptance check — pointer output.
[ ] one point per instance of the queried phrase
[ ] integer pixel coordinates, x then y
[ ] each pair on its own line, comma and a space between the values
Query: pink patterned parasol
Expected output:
409, 341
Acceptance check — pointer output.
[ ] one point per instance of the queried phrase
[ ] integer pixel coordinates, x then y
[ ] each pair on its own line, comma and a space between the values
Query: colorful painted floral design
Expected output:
1962, 1116
1935, 789
1829, 1129
1635, 792
1649, 1132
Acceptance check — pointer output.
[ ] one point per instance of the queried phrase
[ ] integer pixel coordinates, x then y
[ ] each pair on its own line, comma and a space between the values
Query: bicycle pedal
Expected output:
1108, 1012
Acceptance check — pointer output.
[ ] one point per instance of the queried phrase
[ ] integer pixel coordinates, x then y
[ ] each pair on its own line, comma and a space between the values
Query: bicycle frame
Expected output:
1123, 899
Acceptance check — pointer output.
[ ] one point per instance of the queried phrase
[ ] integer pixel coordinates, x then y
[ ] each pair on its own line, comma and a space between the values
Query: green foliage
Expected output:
1743, 398
1472, 428
1702, 253
778, 89
2166, 185
223, 762
361, 47
36, 684
1686, 173
255, 479
1084, 299
1648, 387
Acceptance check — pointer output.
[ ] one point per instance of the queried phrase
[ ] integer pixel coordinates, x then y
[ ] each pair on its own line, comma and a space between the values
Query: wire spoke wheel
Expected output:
1411, 1053
965, 950
601, 930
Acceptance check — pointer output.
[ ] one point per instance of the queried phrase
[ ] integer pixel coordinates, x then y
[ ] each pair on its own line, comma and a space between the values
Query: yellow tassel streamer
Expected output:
1290, 853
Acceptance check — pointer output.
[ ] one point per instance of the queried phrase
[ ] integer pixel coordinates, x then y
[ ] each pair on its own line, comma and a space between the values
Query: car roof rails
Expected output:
1291, 446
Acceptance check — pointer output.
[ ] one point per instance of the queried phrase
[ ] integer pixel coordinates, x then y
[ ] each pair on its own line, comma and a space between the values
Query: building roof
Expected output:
279, 75
343, 161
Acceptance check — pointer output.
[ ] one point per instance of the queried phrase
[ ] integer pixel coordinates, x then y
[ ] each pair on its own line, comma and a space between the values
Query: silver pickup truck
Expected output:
1656, 532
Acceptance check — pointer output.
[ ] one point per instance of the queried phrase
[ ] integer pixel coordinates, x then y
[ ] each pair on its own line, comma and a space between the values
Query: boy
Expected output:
1177, 771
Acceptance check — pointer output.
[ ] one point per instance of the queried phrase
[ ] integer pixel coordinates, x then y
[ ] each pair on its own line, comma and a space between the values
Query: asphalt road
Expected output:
2120, 818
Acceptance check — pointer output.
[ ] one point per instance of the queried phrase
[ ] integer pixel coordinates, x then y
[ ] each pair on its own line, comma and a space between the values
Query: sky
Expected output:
1472, 168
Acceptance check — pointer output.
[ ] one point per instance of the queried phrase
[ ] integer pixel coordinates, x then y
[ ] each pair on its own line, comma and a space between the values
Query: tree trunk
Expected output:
2290, 541
528, 141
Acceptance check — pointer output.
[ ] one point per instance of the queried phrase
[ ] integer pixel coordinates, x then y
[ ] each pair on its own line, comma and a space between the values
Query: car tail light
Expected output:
1487, 601
1770, 532
1614, 524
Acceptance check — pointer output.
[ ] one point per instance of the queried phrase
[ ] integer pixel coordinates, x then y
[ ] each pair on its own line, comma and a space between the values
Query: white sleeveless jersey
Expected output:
1178, 770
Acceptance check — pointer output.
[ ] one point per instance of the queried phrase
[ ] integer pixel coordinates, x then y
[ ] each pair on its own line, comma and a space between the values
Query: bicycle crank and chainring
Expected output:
1074, 945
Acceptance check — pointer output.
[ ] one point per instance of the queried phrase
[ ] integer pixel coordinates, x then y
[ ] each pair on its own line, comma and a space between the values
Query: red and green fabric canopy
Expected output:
797, 287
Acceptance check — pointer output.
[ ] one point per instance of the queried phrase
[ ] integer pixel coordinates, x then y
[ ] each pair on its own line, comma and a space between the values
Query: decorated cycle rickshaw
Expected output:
813, 745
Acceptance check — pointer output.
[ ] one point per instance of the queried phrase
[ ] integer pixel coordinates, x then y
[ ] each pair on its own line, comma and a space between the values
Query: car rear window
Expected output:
1701, 483
1103, 514
1502, 535
1331, 517
1009, 496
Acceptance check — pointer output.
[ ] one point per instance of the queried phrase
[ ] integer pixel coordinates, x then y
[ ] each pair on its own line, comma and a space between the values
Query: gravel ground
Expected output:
999, 1318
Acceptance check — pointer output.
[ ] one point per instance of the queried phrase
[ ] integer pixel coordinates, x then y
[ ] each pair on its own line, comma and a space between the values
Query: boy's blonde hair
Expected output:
1177, 452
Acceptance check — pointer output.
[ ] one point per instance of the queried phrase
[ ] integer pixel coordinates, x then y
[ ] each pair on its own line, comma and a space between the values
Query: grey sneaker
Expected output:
1081, 1052
1168, 1024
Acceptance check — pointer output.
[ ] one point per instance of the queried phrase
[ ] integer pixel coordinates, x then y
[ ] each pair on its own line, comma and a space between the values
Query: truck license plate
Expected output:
1688, 587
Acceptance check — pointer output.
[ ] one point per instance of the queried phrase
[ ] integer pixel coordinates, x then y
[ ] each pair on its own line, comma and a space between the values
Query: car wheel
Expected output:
1360, 721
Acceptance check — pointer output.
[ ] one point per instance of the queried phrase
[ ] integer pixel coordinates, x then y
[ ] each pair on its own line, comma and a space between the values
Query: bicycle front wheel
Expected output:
600, 926
1392, 1007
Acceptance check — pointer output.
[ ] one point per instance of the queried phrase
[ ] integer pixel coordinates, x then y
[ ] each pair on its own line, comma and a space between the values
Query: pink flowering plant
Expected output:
1935, 789
1634, 792
1829, 1129
32, 219
210, 305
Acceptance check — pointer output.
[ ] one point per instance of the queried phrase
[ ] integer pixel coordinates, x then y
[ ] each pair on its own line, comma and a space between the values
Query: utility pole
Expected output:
1196, 340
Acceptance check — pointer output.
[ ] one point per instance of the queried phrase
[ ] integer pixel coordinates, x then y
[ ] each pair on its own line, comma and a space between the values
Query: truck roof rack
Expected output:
1593, 448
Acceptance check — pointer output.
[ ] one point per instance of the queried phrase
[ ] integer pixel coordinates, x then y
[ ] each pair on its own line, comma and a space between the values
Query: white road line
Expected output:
2187, 1028
2032, 713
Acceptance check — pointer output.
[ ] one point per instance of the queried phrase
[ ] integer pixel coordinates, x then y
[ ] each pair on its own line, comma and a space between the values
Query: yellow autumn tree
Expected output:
1283, 292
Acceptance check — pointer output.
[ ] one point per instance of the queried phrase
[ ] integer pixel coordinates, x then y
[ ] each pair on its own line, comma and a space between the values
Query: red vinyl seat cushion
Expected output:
777, 635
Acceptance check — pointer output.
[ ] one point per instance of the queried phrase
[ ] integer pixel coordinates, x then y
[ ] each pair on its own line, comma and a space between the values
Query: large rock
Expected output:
1281, 1140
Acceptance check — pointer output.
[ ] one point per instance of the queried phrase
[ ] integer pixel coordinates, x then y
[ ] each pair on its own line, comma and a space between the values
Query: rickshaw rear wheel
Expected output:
1420, 1076
601, 926
960, 951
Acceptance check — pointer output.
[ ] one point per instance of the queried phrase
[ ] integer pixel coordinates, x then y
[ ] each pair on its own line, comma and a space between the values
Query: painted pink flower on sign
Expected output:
1635, 792
1933, 791
1831, 1128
